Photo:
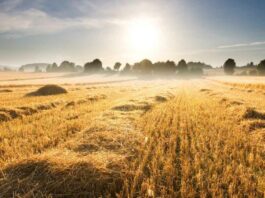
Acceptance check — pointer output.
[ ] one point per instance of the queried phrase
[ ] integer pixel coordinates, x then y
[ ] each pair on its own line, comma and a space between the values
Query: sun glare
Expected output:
143, 35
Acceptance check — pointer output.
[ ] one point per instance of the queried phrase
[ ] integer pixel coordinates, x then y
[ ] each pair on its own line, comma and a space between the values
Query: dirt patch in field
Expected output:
96, 97
132, 107
252, 113
28, 110
249, 90
213, 94
254, 125
85, 100
209, 92
13, 113
70, 104
4, 117
91, 87
205, 90
160, 99
5, 91
48, 90
236, 102
223, 100
77, 102
230, 103
47, 106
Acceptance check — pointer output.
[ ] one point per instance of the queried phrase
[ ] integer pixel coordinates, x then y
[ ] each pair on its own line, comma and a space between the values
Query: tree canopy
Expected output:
182, 67
229, 66
117, 66
261, 67
65, 66
93, 67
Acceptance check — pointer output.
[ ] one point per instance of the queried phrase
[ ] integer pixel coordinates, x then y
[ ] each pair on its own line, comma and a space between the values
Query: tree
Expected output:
52, 68
21, 69
49, 68
117, 66
127, 69
198, 65
261, 67
94, 66
252, 72
37, 69
79, 68
67, 66
229, 66
182, 67
197, 71
251, 64
108, 69
164, 68
143, 67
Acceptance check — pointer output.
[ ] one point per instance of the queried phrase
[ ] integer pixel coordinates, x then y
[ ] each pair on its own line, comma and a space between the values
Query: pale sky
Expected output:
127, 31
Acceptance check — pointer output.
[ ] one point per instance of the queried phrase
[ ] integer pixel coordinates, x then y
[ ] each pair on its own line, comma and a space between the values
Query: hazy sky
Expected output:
128, 31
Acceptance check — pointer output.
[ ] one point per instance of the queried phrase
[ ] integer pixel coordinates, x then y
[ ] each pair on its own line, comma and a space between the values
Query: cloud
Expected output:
26, 17
34, 22
242, 45
9, 5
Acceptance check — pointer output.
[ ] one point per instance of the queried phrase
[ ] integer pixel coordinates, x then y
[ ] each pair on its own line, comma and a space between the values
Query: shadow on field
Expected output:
41, 178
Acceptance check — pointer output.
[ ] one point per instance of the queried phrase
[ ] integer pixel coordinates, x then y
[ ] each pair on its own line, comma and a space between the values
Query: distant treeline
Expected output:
65, 66
250, 69
146, 67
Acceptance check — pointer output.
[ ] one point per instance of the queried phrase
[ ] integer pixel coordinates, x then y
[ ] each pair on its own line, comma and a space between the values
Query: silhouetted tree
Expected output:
143, 67
229, 66
243, 73
261, 67
182, 67
94, 66
49, 68
79, 68
126, 69
164, 68
109, 70
52, 68
251, 64
198, 65
197, 71
67, 66
6, 69
37, 69
21, 69
252, 72
117, 66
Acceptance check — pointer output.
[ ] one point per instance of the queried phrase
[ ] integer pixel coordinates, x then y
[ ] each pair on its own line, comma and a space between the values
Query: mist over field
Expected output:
132, 98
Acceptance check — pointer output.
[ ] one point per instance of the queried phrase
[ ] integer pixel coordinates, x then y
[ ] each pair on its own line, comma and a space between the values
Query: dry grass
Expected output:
48, 90
133, 139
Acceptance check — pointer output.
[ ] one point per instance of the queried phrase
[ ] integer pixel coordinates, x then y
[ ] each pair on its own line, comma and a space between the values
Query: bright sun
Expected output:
143, 35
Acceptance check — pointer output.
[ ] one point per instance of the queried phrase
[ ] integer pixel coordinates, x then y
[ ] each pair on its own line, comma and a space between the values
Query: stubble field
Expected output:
123, 137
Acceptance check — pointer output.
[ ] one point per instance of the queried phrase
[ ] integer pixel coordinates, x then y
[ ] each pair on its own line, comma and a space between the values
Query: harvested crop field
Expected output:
132, 138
